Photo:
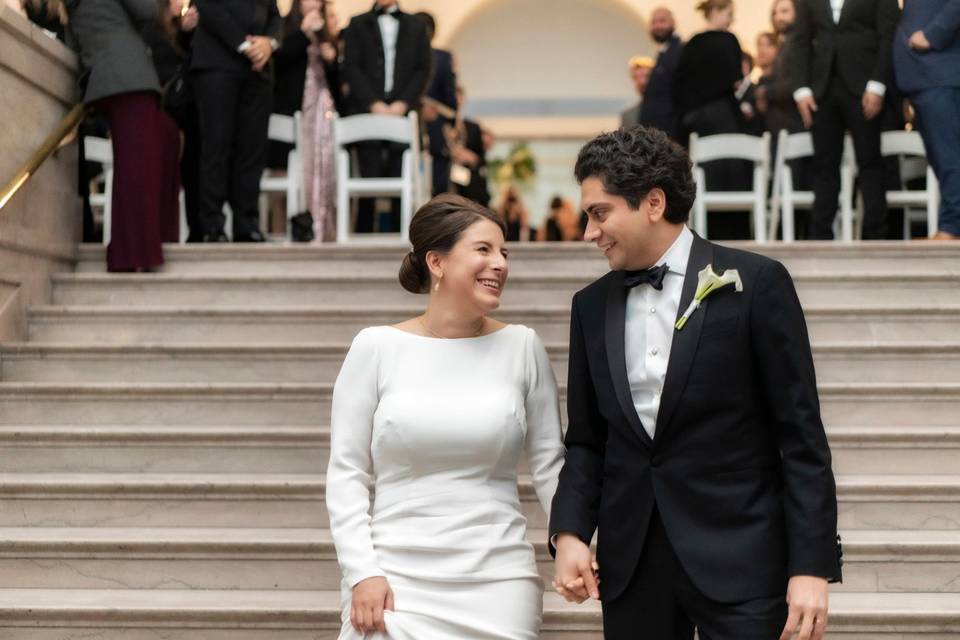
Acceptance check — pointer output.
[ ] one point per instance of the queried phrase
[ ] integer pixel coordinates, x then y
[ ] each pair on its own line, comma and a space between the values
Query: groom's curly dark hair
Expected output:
633, 160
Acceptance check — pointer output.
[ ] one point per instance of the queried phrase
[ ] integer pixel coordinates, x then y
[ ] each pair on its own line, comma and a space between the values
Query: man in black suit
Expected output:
232, 78
386, 65
439, 108
696, 453
657, 109
842, 64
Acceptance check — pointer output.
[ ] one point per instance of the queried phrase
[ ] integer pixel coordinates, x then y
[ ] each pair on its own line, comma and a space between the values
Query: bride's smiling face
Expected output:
475, 270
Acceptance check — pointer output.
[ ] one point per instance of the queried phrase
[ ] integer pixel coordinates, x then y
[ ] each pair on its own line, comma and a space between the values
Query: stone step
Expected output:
578, 258
305, 449
180, 614
865, 289
922, 323
163, 558
320, 362
927, 502
297, 404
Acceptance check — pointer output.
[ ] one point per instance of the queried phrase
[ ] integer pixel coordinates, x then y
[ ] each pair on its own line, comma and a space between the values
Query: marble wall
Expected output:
41, 226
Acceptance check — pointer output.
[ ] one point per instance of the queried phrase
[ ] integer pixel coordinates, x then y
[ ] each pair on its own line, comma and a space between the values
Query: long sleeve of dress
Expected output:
350, 471
544, 440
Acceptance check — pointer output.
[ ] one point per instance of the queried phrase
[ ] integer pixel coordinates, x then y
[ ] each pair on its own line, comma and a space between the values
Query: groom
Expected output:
697, 454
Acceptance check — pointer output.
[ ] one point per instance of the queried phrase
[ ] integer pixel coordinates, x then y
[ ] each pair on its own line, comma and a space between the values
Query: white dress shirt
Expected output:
389, 27
649, 320
877, 88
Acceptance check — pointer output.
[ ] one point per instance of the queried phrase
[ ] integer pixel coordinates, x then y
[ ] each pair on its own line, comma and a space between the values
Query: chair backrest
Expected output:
795, 145
902, 143
730, 146
369, 126
98, 149
282, 128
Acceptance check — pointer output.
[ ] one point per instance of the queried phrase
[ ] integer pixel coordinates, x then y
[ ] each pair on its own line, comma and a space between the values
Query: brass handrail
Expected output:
44, 151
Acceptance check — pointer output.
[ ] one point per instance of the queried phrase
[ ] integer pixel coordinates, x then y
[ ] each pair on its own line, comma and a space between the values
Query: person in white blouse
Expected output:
429, 420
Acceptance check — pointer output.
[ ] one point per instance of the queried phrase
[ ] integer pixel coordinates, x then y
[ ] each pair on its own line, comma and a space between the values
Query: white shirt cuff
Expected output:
877, 88
243, 47
801, 93
274, 44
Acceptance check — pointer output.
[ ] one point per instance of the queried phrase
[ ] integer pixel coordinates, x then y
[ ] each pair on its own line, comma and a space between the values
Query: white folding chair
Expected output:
731, 146
285, 129
908, 147
101, 150
785, 198
370, 127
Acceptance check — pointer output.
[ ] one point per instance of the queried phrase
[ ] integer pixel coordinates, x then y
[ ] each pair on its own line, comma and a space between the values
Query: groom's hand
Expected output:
807, 598
370, 598
575, 578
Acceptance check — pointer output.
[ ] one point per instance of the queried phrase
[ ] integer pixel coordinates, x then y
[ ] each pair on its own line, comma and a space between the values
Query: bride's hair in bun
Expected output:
437, 226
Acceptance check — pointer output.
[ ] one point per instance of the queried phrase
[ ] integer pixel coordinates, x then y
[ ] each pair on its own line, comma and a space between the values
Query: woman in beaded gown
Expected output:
429, 421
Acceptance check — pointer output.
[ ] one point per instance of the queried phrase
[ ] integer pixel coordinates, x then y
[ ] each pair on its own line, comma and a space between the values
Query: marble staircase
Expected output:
163, 437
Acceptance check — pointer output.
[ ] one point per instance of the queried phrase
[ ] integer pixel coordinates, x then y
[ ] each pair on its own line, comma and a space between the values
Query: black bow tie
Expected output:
653, 276
386, 12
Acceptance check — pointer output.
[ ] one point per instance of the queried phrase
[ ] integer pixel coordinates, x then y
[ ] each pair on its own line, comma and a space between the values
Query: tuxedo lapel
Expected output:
685, 341
616, 353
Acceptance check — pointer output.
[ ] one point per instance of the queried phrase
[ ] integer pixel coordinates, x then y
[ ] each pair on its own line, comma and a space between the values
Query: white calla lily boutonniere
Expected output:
707, 282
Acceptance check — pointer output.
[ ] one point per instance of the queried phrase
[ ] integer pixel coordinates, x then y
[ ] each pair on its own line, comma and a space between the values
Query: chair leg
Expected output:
107, 206
789, 231
700, 216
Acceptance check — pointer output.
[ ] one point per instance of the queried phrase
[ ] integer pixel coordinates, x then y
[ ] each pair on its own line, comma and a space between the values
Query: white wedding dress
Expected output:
431, 431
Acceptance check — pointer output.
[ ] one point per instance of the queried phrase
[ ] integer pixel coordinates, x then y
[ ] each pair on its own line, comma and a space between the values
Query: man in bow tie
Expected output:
697, 454
386, 65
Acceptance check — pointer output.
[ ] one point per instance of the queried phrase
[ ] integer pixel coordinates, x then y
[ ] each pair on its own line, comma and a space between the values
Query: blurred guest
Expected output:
746, 94
386, 64
927, 62
657, 109
640, 70
322, 27
775, 86
469, 152
232, 76
439, 108
841, 67
514, 214
170, 41
782, 16
562, 224
708, 73
120, 83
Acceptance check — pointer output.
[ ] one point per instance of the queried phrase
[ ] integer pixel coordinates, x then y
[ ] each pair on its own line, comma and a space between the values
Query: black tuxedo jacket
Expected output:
859, 47
225, 25
657, 109
739, 466
363, 63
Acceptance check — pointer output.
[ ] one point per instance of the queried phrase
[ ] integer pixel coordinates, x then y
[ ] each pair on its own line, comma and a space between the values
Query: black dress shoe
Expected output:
218, 236
253, 236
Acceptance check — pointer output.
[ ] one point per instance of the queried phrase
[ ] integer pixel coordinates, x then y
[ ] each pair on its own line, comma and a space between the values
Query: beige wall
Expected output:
40, 226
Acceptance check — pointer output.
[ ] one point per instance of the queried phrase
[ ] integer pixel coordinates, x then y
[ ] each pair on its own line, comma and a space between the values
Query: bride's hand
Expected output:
371, 597
576, 570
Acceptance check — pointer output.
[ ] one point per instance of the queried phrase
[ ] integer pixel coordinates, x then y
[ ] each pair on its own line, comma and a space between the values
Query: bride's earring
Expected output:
437, 288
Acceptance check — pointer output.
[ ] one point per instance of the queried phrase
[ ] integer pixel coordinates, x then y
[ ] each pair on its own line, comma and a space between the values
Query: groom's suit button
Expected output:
655, 461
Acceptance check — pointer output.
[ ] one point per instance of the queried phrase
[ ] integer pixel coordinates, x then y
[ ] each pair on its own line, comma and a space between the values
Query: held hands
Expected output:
259, 52
398, 108
806, 106
807, 598
371, 597
312, 22
575, 569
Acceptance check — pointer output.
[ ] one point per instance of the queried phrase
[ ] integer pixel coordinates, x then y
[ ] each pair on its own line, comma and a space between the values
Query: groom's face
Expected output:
624, 235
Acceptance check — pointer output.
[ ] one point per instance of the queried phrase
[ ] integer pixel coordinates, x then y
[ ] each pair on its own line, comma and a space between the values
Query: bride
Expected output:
428, 422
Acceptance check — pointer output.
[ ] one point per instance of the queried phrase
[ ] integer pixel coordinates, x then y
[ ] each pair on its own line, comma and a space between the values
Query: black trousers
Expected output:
662, 603
839, 111
234, 114
379, 160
